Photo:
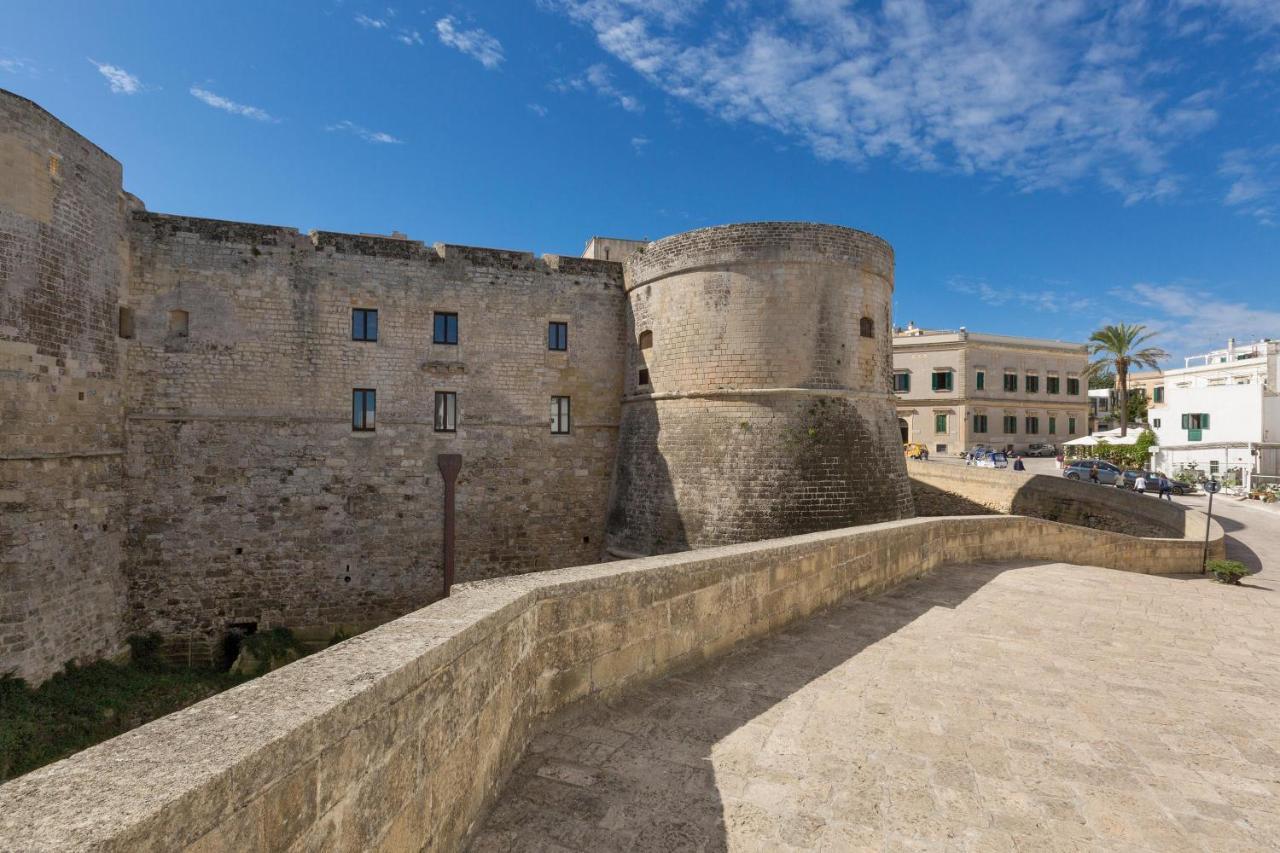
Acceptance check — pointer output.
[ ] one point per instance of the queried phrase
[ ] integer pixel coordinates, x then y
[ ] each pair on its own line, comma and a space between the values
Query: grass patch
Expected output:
84, 705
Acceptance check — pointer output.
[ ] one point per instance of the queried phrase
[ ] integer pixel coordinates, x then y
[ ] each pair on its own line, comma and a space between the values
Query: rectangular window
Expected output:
1157, 394
1053, 385
642, 376
939, 448
1155, 422
1071, 426
1073, 386
1033, 383
981, 378
940, 424
1214, 468
1053, 426
364, 403
1010, 424
979, 423
561, 423
557, 336
942, 380
364, 324
124, 325
1033, 426
1195, 421
902, 381
446, 329
1011, 382
446, 411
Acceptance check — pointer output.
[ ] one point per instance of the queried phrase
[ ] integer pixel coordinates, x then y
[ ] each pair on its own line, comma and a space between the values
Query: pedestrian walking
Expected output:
1093, 473
1058, 460
924, 454
1017, 464
1140, 484
1166, 488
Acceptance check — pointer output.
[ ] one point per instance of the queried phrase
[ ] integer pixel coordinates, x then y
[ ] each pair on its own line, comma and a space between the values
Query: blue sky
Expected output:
1040, 166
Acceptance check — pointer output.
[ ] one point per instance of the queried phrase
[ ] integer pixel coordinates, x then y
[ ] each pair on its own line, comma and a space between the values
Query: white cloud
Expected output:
120, 81
1192, 319
476, 43
598, 79
639, 143
371, 23
1045, 93
14, 65
228, 105
538, 109
409, 37
1255, 182
1046, 301
364, 133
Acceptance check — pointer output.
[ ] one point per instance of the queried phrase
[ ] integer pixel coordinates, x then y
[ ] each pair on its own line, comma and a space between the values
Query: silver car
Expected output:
1081, 468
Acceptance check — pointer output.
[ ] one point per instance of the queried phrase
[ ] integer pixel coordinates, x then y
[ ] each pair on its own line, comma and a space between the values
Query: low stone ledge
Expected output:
401, 737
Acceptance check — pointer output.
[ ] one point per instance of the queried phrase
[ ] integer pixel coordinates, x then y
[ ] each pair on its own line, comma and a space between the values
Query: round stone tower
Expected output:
757, 401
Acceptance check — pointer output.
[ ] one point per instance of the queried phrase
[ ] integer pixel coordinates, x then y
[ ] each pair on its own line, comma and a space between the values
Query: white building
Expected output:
1221, 413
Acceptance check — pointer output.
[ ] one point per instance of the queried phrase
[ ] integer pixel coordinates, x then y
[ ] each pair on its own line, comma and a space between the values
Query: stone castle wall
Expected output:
767, 411
251, 499
401, 738
61, 425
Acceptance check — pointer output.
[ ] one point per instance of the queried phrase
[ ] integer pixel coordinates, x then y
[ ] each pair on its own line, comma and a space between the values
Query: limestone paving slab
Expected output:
1001, 706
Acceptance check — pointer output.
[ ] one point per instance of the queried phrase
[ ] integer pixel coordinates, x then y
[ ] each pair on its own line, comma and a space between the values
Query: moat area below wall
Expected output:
400, 738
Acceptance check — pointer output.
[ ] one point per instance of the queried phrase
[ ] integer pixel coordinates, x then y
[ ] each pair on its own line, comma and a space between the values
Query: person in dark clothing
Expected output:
1017, 464
1093, 474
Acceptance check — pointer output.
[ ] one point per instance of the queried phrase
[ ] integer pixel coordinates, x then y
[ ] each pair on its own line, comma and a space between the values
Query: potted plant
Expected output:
1227, 571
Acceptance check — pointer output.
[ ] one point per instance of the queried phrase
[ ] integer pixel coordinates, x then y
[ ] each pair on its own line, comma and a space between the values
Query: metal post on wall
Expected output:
450, 464
1212, 487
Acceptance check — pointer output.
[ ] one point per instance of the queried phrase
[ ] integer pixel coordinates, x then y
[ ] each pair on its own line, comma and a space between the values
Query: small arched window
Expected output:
646, 340
867, 327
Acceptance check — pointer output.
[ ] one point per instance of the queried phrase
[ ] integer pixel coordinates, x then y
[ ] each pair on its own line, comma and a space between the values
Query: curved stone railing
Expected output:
949, 489
400, 738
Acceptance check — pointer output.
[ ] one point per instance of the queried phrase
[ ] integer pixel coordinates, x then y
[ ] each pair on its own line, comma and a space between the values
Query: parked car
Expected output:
1128, 477
991, 459
914, 450
1079, 470
1041, 450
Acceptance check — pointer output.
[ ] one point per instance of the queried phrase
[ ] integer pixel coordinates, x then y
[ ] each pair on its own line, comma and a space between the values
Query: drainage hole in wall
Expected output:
586, 540
239, 551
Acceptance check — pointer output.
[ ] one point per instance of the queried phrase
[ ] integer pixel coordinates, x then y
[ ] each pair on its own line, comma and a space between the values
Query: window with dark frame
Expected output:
902, 381
981, 378
979, 423
1033, 425
1053, 385
1157, 394
867, 327
446, 411
940, 423
1071, 426
1011, 382
364, 324
942, 380
1010, 424
1073, 386
1053, 426
642, 377
557, 336
446, 329
1032, 383
561, 418
364, 404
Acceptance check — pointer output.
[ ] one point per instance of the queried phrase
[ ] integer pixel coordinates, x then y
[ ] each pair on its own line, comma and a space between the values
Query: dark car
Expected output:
1128, 477
1079, 470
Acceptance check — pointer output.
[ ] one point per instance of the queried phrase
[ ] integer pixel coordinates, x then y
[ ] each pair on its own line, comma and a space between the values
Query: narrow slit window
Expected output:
364, 404
446, 329
364, 324
557, 336
561, 418
446, 411
125, 322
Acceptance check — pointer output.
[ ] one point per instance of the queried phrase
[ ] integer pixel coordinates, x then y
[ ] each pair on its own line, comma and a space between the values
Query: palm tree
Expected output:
1118, 348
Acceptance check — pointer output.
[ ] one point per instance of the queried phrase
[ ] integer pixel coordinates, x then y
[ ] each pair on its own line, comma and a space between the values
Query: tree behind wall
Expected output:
1118, 349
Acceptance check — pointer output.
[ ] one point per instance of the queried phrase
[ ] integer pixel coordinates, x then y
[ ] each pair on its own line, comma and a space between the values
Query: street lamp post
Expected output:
1212, 487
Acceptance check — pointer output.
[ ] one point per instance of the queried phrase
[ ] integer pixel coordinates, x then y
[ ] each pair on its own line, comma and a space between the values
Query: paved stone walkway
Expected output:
987, 707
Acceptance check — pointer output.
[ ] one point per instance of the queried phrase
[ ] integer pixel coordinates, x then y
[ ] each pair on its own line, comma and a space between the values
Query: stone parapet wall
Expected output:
400, 738
945, 489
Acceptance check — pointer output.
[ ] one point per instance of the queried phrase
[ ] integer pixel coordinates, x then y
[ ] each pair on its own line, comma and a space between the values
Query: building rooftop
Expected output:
913, 335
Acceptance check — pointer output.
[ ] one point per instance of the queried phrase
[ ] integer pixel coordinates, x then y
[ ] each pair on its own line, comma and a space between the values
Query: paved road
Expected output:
986, 707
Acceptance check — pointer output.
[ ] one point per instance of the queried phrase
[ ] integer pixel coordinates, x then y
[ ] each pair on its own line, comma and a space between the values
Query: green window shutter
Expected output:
1186, 421
935, 382
1204, 421
1053, 426
982, 379
940, 423
906, 382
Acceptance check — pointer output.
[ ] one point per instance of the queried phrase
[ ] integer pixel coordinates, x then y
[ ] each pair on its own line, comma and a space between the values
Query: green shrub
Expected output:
1227, 571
